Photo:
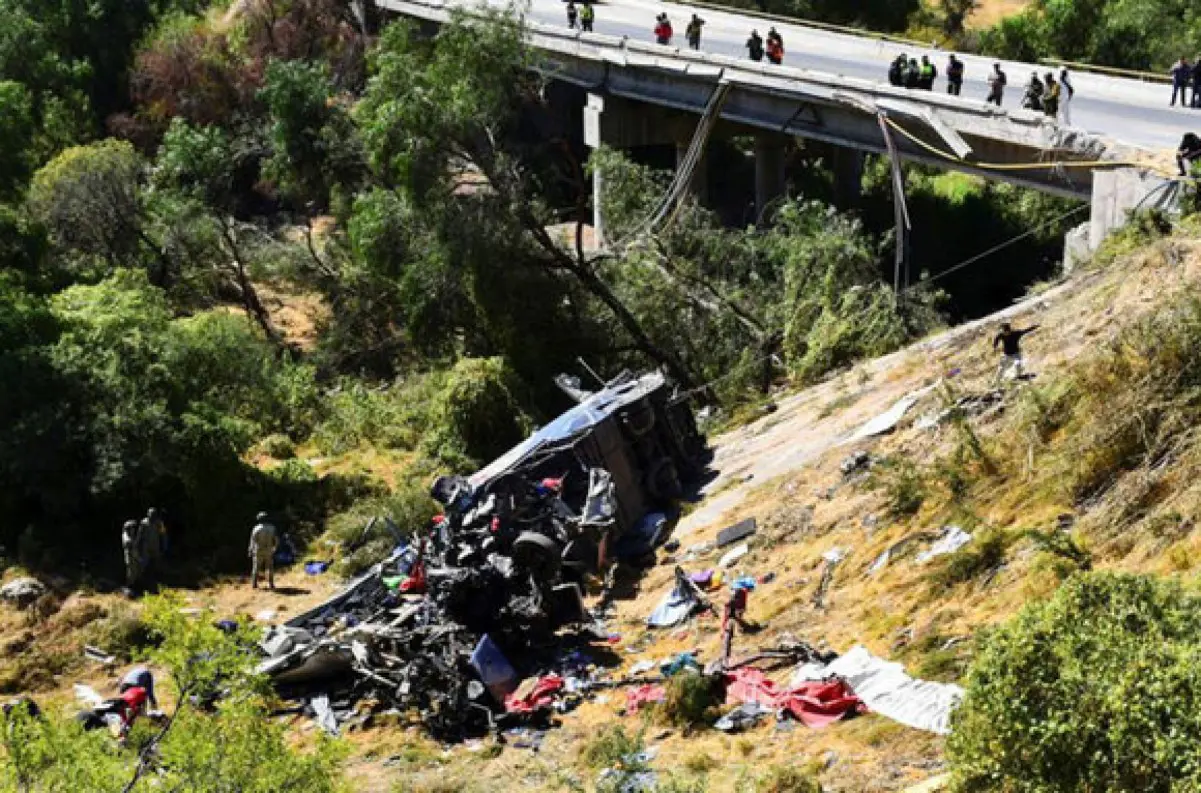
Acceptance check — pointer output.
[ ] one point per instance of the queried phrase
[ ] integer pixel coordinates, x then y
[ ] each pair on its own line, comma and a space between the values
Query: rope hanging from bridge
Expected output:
1028, 166
665, 213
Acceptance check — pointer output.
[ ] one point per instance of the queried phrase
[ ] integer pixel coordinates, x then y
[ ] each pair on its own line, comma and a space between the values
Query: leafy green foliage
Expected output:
88, 198
313, 141
1132, 34
232, 746
477, 414
690, 701
1094, 689
903, 484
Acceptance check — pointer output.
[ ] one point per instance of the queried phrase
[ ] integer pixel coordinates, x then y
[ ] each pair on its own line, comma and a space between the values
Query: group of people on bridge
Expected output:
1047, 95
1186, 75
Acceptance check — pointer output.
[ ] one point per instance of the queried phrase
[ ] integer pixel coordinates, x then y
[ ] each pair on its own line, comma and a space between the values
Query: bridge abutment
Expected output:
769, 171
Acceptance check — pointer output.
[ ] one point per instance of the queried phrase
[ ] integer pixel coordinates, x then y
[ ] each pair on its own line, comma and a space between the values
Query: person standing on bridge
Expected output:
1197, 82
663, 31
896, 70
927, 75
1065, 96
693, 32
775, 46
754, 46
572, 14
913, 74
996, 85
954, 76
587, 16
1051, 100
1182, 74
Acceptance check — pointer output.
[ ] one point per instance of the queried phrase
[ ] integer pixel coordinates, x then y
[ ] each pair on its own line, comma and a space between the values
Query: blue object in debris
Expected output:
316, 568
642, 538
745, 582
494, 670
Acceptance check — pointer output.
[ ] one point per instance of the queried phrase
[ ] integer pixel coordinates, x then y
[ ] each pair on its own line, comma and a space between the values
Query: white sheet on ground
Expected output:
889, 419
953, 538
87, 695
886, 689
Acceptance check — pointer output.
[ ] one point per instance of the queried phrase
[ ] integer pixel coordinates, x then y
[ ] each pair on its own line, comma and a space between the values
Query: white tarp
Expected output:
889, 419
886, 689
953, 538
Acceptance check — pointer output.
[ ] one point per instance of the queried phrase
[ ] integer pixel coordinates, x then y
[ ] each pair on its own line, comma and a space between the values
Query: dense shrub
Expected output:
1096, 689
476, 416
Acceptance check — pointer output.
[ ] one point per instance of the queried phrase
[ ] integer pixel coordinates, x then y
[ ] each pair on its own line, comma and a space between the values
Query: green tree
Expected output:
1096, 689
16, 139
232, 746
440, 122
88, 198
196, 171
313, 141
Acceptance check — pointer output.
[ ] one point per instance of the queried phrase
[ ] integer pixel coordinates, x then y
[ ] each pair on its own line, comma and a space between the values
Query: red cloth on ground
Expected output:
644, 695
815, 703
541, 695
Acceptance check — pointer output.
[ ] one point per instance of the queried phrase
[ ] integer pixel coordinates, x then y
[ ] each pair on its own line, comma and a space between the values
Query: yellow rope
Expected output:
1029, 166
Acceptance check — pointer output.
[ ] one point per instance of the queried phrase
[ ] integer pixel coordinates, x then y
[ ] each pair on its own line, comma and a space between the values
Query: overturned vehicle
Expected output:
452, 621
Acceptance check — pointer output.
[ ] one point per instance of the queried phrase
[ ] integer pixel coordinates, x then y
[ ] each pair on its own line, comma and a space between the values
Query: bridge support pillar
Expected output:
698, 186
847, 165
769, 171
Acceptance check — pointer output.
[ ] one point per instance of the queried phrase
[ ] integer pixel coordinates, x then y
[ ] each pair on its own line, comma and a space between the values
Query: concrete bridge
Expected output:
641, 93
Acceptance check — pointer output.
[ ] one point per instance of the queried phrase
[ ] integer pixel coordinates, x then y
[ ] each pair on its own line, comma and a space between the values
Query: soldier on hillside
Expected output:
131, 551
263, 541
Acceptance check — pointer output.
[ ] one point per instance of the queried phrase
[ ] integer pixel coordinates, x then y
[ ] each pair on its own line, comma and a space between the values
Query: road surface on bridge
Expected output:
1127, 111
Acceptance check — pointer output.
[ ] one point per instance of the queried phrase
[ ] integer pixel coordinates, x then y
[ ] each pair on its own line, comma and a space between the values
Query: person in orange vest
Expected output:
663, 30
775, 47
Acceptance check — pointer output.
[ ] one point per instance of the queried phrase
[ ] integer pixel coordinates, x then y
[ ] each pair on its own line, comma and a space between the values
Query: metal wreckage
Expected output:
455, 619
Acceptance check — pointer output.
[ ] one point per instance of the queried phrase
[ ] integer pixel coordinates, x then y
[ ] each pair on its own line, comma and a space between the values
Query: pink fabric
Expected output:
644, 695
542, 695
814, 703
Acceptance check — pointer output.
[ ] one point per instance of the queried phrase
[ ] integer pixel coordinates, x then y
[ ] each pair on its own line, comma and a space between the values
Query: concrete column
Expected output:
769, 171
847, 165
699, 185
592, 139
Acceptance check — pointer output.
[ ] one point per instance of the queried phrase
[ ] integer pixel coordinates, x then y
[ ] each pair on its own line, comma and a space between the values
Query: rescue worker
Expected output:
1033, 98
996, 85
1182, 74
158, 529
131, 550
139, 677
263, 541
896, 70
1051, 99
913, 74
572, 14
1011, 350
1188, 153
1196, 82
693, 31
775, 46
954, 76
663, 31
926, 75
1066, 94
587, 17
754, 46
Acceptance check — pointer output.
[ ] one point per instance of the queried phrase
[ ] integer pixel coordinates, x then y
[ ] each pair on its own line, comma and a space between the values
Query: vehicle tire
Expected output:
640, 420
537, 553
663, 481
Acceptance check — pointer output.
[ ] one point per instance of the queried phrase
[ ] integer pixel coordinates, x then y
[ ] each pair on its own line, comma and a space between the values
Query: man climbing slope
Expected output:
1011, 350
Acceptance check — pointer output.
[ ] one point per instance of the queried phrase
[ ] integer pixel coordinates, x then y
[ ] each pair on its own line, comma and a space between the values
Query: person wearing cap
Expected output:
263, 542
